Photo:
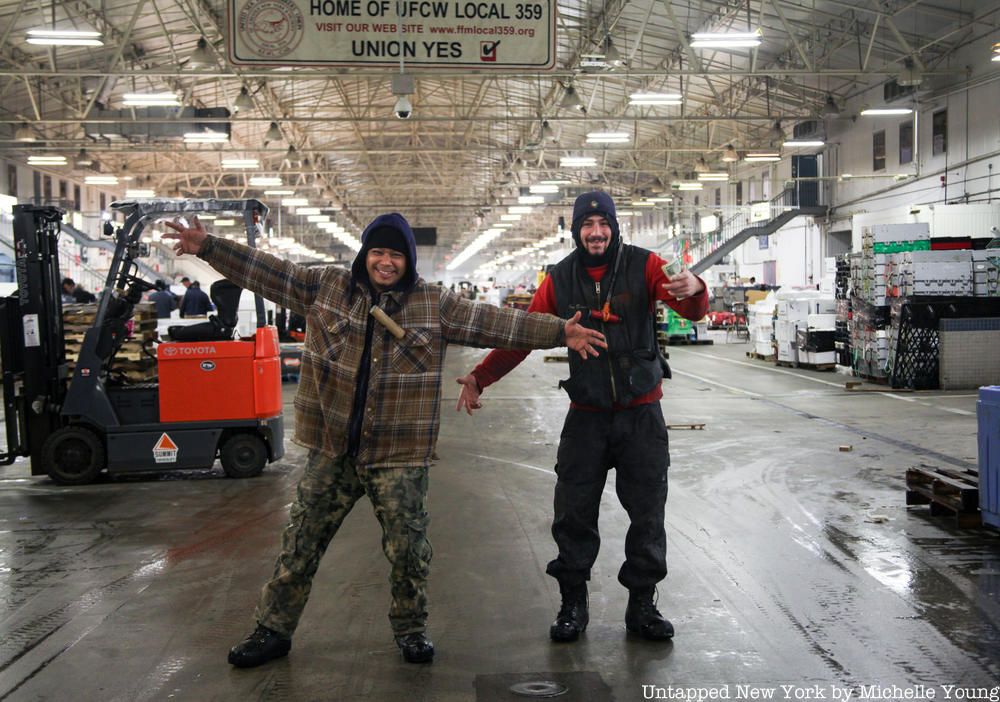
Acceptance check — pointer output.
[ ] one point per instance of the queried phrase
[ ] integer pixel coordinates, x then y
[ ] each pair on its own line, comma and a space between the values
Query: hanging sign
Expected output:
474, 34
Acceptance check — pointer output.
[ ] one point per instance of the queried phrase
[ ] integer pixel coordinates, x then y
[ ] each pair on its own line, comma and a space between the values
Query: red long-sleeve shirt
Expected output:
500, 362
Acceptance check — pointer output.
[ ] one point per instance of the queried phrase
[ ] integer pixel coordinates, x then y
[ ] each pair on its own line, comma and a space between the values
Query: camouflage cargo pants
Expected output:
328, 490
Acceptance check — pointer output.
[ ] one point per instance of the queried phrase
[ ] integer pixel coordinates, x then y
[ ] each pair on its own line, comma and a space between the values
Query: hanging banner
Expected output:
474, 34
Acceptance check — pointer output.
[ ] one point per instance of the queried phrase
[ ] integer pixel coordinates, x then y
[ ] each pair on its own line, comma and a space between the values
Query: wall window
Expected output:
878, 150
739, 193
718, 197
104, 202
12, 179
906, 143
47, 189
939, 132
63, 193
76, 198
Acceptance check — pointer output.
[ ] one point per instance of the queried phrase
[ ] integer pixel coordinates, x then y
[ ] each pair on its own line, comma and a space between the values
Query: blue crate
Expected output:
988, 413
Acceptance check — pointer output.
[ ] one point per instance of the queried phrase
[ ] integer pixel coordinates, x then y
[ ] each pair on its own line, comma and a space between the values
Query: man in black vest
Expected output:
614, 420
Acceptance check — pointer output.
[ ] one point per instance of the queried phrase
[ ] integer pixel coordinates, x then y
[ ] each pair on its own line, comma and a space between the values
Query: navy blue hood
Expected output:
393, 220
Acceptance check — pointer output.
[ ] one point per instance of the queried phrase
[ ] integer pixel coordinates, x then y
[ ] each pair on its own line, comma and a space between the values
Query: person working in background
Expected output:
71, 292
367, 408
615, 419
195, 302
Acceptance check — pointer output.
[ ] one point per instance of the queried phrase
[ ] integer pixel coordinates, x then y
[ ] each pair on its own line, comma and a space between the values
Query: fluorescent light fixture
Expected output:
556, 182
708, 175
225, 222
207, 216
206, 137
607, 137
69, 37
151, 100
577, 162
295, 201
307, 211
240, 163
503, 225
317, 218
805, 142
641, 203
510, 218
885, 111
655, 99
626, 213
46, 160
279, 192
519, 210
541, 189
762, 157
101, 180
266, 180
690, 185
725, 40
659, 200
139, 193
530, 199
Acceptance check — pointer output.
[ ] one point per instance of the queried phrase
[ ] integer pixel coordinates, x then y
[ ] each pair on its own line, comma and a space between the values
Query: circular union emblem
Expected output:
271, 28
593, 203
169, 350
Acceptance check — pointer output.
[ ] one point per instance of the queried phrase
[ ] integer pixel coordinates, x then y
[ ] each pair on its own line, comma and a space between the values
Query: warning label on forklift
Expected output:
31, 338
165, 450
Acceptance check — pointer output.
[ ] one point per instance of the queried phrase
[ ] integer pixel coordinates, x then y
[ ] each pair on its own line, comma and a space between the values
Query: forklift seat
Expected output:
220, 327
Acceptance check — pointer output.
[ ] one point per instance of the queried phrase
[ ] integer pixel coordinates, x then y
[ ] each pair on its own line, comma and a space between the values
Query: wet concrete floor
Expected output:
797, 572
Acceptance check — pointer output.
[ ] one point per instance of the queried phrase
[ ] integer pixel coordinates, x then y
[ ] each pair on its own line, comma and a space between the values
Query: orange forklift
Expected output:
216, 397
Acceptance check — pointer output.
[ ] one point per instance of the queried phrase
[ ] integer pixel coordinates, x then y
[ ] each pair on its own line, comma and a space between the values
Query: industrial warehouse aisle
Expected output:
792, 562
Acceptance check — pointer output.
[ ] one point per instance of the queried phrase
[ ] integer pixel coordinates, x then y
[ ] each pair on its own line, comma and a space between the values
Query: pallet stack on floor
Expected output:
804, 326
900, 264
131, 361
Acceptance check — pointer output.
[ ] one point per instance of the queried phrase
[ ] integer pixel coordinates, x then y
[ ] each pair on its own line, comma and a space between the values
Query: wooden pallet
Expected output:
760, 357
947, 491
685, 341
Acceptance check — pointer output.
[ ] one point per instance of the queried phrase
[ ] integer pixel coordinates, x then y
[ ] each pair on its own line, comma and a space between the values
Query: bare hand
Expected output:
683, 285
468, 399
189, 239
583, 340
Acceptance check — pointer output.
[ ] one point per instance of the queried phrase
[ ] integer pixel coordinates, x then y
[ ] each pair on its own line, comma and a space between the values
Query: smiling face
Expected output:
595, 234
386, 267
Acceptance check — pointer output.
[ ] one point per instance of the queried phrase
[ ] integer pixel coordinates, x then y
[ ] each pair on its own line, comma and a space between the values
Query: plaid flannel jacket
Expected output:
403, 406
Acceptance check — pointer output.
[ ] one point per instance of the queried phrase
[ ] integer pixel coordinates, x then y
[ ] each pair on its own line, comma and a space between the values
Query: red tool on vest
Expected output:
605, 315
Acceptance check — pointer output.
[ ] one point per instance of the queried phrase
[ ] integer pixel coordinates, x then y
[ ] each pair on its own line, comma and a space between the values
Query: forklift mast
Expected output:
31, 334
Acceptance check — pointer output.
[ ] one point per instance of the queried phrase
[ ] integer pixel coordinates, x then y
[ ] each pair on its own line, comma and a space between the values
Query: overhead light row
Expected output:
67, 37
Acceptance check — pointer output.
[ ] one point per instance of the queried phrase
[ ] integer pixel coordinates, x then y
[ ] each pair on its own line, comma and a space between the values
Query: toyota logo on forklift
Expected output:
207, 366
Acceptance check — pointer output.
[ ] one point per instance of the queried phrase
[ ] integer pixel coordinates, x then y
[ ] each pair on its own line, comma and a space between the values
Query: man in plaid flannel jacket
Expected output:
367, 408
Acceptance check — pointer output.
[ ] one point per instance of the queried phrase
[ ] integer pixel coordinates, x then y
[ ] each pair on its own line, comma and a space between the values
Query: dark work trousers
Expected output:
633, 441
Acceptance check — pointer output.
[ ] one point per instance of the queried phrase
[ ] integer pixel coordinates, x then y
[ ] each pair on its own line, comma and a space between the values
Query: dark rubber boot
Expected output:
573, 615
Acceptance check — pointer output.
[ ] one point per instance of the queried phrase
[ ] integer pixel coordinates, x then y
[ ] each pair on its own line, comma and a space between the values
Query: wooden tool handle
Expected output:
386, 321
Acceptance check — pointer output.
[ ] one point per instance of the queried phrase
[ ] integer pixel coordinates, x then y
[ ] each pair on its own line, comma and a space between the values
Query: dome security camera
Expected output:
403, 108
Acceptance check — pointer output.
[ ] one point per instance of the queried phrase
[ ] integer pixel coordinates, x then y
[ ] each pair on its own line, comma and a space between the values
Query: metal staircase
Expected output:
739, 228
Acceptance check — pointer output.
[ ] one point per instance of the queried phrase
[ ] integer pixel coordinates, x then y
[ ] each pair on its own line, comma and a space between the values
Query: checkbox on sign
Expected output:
488, 50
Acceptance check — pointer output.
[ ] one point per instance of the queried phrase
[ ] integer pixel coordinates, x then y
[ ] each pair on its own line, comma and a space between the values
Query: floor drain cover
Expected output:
539, 688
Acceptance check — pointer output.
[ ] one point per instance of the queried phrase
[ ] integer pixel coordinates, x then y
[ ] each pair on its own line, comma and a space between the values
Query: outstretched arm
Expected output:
281, 281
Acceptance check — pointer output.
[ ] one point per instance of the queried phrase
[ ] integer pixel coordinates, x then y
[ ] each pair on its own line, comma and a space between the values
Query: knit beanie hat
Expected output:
385, 238
600, 203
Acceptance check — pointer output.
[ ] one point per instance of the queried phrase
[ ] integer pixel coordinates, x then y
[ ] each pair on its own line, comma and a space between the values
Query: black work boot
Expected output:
416, 648
259, 647
573, 616
642, 617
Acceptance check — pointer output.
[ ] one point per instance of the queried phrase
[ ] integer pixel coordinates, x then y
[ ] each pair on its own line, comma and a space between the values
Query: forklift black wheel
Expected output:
73, 456
244, 456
